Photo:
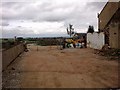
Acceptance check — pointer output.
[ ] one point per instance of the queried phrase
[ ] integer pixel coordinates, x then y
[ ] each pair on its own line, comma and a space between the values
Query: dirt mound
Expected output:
108, 52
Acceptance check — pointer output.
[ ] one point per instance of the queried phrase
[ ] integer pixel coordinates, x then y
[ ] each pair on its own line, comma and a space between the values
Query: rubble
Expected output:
108, 52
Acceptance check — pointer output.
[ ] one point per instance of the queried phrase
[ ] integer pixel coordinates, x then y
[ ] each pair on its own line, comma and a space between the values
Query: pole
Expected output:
70, 30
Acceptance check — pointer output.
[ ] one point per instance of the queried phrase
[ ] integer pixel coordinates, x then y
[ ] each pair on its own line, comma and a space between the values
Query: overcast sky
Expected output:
48, 17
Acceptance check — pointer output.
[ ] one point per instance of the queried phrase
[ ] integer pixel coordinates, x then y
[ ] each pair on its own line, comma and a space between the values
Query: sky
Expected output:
48, 18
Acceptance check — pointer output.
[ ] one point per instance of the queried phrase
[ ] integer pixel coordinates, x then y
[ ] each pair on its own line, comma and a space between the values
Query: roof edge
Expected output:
103, 8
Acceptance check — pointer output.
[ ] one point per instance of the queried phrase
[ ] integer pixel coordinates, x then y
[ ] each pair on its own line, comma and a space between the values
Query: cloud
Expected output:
47, 17
4, 23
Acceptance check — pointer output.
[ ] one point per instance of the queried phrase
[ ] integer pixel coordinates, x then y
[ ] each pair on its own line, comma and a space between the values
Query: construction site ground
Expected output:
50, 67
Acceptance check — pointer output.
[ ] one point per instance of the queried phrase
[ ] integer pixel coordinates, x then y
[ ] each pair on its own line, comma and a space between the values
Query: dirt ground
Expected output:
49, 67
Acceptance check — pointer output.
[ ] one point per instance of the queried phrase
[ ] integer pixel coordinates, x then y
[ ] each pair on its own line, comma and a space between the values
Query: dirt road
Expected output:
69, 68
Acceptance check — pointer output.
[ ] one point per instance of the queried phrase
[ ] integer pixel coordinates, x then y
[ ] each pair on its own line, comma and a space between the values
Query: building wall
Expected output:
95, 40
114, 36
107, 13
0, 70
107, 18
10, 54
119, 35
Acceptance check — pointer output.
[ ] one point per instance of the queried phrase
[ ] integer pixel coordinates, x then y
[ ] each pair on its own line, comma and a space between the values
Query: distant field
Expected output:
6, 39
6, 43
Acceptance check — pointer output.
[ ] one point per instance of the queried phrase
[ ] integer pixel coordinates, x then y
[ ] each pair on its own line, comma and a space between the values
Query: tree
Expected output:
70, 30
20, 39
90, 29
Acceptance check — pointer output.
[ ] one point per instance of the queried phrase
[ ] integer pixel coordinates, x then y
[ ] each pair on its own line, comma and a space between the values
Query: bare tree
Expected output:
70, 30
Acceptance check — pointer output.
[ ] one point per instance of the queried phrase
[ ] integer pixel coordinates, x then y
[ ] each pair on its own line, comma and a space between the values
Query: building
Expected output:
80, 35
109, 23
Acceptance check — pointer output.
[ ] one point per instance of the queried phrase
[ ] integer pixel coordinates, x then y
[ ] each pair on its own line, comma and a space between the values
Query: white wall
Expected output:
95, 40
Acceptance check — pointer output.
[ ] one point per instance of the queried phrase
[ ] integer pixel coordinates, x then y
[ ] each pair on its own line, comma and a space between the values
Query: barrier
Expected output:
11, 54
